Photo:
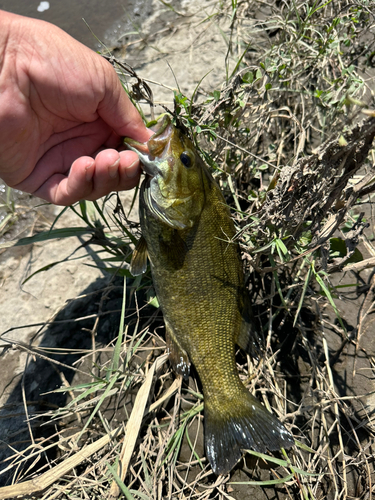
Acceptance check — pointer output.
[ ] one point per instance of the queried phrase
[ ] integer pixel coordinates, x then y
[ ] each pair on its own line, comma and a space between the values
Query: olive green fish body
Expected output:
198, 278
199, 283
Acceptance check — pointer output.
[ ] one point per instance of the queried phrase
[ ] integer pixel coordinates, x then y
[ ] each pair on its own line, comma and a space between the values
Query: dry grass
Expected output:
129, 428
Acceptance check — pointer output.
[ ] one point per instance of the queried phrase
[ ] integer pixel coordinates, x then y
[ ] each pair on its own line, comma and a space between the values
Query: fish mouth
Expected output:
149, 163
152, 152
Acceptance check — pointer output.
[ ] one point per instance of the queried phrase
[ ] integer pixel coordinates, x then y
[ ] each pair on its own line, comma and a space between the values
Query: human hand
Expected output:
62, 114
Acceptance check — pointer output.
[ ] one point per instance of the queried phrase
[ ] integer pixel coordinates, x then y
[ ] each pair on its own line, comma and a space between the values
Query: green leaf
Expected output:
278, 286
118, 345
338, 249
120, 483
154, 302
248, 77
328, 294
342, 141
282, 249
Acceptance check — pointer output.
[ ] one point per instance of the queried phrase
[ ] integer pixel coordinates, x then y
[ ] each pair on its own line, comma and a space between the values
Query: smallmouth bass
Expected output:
187, 234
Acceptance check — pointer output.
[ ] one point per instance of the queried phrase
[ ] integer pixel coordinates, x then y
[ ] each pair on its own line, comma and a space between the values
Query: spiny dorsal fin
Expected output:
138, 264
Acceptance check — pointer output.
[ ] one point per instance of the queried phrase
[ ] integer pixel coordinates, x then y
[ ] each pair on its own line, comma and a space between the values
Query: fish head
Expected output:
174, 189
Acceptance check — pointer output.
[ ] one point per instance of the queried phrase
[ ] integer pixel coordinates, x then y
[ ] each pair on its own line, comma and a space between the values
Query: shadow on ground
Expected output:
71, 330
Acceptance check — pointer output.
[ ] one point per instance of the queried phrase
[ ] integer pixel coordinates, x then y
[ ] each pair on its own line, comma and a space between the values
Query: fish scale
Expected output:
210, 325
198, 278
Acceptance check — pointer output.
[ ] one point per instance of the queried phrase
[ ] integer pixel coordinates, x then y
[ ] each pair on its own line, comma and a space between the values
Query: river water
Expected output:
108, 19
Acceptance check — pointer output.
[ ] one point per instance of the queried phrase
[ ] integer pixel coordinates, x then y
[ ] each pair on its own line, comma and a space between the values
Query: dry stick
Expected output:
362, 317
23, 454
360, 266
133, 426
45, 480
62, 488
337, 415
42, 482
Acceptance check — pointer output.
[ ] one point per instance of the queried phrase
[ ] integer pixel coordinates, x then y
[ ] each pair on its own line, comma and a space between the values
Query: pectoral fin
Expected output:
138, 264
177, 355
174, 250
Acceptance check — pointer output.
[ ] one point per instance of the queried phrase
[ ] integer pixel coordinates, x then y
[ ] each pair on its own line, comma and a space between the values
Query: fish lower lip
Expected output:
148, 165
150, 168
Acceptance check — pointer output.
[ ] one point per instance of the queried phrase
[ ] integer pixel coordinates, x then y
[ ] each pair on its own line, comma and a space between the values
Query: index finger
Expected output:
117, 110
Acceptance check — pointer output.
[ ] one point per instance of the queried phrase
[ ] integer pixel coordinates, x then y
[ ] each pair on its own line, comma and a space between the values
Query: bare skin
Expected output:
63, 112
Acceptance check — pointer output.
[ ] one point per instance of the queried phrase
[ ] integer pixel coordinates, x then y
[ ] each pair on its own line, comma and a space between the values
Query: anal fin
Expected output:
178, 357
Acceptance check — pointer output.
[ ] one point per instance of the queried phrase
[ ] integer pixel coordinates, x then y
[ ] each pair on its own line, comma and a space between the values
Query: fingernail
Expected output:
89, 171
133, 170
113, 169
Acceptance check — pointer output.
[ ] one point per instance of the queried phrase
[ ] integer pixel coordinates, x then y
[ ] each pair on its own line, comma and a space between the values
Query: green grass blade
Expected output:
120, 483
117, 349
100, 402
270, 482
328, 294
278, 286
65, 232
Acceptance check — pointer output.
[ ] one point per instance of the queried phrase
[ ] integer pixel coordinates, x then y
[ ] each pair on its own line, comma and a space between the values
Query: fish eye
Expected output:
185, 159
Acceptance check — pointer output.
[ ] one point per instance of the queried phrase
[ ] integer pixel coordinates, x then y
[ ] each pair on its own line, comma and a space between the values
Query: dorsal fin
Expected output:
249, 338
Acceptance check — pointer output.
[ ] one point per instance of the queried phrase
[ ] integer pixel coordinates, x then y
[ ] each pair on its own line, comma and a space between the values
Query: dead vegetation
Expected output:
290, 137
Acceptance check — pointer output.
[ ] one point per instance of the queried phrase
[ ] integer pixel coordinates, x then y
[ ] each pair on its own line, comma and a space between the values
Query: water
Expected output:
108, 19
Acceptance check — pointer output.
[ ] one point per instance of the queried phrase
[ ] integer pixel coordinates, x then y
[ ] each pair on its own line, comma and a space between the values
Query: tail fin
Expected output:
240, 424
